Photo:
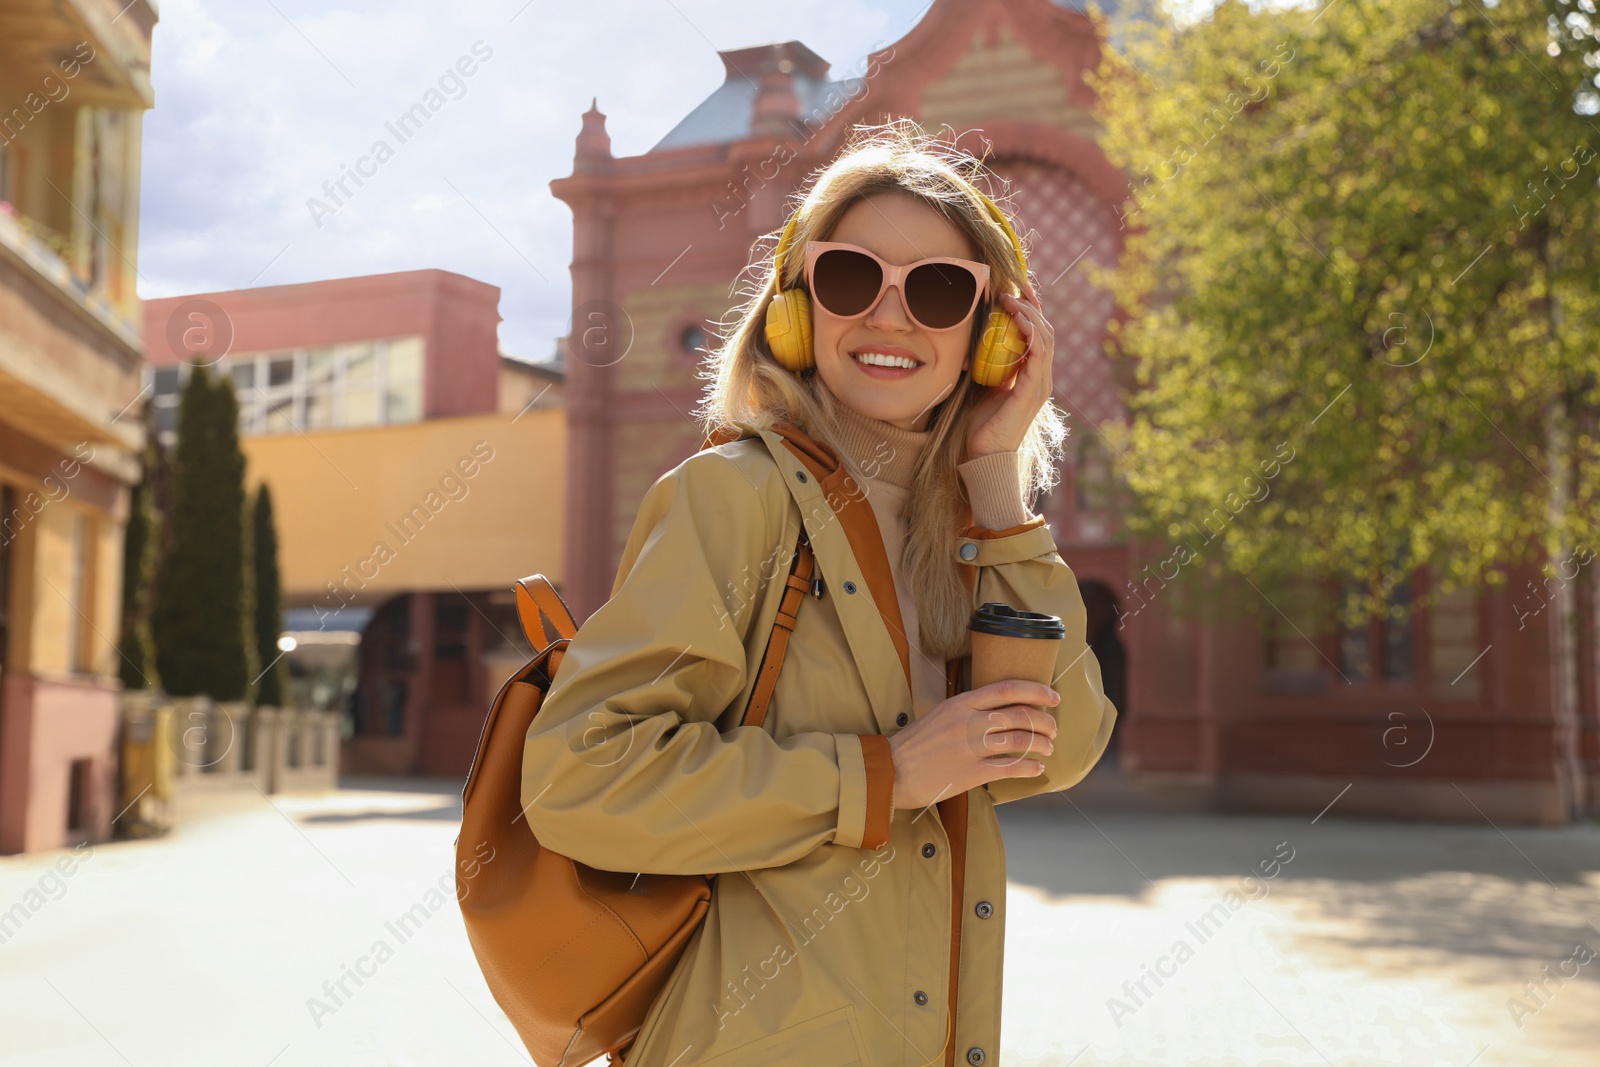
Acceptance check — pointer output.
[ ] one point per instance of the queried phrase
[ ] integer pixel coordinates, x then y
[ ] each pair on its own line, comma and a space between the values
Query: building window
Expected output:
403, 380
1396, 631
693, 340
505, 626
1292, 657
320, 388
1378, 647
78, 794
165, 383
1302, 651
1093, 480
1454, 644
359, 383
386, 664
452, 622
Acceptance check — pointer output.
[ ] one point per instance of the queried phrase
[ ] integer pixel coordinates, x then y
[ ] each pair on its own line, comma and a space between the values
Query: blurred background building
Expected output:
416, 470
74, 82
1217, 711
416, 473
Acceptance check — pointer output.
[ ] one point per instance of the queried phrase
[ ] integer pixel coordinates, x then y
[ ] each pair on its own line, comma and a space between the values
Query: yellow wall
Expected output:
106, 609
48, 623
485, 495
53, 615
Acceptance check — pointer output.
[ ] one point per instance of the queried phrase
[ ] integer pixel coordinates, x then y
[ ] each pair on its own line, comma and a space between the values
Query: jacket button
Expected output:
920, 997
975, 1055
849, 587
928, 849
984, 909
901, 719
801, 475
969, 551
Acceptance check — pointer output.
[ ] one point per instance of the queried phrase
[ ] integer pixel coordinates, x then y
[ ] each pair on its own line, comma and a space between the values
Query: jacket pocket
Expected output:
829, 1040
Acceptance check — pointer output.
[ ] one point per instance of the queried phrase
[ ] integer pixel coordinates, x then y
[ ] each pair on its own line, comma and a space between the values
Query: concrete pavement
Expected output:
1172, 937
270, 933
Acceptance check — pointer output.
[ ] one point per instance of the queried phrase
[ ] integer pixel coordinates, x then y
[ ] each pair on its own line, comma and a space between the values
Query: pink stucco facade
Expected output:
50, 725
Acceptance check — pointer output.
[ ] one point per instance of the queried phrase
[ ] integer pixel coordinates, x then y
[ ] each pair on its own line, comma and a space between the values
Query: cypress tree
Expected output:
203, 630
269, 603
140, 544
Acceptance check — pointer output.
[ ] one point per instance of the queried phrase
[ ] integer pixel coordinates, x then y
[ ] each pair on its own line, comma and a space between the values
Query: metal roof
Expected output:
726, 114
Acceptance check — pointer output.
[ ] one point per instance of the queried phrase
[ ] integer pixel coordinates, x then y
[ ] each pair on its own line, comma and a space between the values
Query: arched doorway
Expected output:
1103, 635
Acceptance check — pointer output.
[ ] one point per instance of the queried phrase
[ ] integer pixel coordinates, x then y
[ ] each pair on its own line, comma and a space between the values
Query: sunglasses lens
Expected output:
844, 282
939, 295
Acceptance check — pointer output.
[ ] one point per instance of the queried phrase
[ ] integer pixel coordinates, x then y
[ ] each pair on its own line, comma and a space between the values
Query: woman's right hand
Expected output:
972, 738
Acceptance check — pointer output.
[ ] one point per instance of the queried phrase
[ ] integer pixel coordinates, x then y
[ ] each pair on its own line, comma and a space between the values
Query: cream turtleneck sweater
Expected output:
888, 457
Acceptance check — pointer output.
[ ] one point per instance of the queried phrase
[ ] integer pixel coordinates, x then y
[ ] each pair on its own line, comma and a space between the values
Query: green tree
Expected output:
203, 627
140, 559
272, 689
1361, 236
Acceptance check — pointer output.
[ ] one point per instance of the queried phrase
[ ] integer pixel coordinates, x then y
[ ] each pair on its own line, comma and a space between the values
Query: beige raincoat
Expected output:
838, 934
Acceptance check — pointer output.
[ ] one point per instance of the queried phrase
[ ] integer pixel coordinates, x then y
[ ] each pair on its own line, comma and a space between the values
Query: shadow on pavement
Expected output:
446, 790
1403, 892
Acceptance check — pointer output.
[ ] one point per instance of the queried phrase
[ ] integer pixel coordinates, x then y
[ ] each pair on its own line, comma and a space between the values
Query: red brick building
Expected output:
1452, 715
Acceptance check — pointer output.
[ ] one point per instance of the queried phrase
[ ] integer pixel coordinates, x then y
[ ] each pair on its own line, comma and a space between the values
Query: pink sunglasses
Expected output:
939, 292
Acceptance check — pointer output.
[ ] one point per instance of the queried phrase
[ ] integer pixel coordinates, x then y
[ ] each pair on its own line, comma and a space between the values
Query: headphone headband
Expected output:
994, 211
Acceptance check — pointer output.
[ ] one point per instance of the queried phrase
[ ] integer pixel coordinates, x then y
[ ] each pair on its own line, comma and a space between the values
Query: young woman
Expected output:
859, 916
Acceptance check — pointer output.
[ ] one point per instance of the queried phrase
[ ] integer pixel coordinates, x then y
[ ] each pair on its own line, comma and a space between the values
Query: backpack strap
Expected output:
798, 584
534, 593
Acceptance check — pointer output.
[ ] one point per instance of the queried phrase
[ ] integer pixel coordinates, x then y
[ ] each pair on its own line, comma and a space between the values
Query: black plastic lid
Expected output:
1003, 620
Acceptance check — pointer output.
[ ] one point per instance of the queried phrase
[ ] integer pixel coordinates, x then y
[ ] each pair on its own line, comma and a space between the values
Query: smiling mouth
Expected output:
872, 358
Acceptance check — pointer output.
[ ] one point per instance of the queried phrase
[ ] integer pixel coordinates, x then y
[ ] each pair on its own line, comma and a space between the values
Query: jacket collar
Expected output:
828, 483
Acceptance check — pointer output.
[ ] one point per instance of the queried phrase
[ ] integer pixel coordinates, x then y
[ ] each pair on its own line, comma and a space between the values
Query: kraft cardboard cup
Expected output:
1008, 642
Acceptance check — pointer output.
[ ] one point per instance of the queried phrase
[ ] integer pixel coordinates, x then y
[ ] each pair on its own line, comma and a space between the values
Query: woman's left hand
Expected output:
1005, 414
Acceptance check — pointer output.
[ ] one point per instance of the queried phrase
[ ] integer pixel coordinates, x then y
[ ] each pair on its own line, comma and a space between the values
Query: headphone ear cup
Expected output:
788, 329
1000, 349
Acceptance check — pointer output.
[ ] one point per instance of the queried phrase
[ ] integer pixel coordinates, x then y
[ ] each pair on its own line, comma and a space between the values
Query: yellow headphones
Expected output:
788, 325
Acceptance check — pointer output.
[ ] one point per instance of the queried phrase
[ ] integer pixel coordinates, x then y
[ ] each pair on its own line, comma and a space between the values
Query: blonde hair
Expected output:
746, 385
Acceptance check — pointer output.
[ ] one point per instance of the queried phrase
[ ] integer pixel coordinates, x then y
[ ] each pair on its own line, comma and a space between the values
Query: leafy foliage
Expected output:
1363, 233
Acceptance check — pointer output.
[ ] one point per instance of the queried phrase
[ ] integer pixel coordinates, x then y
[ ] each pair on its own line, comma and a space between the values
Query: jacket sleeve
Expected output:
624, 767
1018, 564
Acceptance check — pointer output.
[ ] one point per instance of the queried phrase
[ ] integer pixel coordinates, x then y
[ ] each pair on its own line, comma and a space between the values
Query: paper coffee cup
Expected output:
1009, 642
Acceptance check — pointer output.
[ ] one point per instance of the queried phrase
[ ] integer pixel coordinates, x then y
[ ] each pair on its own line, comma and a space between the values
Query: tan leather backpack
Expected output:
575, 956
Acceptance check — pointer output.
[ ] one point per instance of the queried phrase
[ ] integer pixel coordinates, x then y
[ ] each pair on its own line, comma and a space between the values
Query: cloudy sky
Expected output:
259, 103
